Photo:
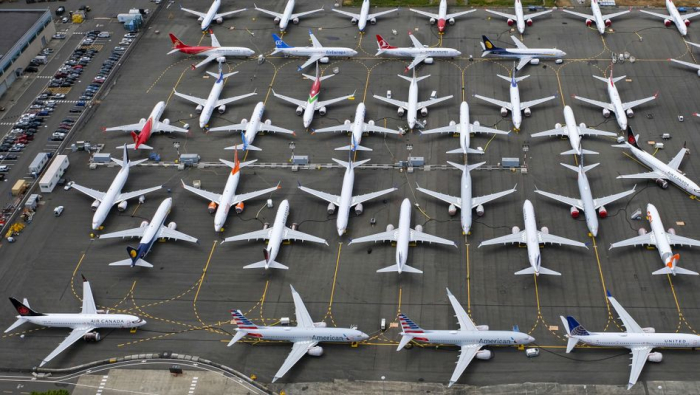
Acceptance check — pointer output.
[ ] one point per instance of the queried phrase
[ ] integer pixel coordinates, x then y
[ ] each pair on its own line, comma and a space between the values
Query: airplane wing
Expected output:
609, 199
426, 238
499, 103
646, 239
444, 197
291, 234
532, 103
691, 15
595, 103
370, 16
88, 299
314, 41
135, 232
484, 129
131, 195
227, 13
430, 102
444, 129
296, 102
593, 132
166, 128
523, 62
126, 128
662, 16
393, 102
487, 198
465, 323
688, 64
205, 61
312, 59
458, 14
416, 61
369, 196
676, 240
195, 100
518, 43
211, 196
507, 239
339, 128
566, 200
247, 196
233, 99
325, 103
639, 358
676, 161
263, 234
580, 15
305, 13
416, 43
536, 14
303, 318
274, 129
73, 337
174, 235
268, 12
379, 129
649, 175
428, 14
239, 127
335, 199
299, 349
502, 14
632, 104
391, 235
97, 195
466, 355
350, 14
615, 15
551, 133
546, 238
199, 14
630, 324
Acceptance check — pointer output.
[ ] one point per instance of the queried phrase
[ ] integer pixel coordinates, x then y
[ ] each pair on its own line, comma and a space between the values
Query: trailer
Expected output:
55, 172
38, 163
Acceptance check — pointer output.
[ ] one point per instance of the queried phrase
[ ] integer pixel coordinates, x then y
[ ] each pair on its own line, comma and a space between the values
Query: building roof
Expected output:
15, 24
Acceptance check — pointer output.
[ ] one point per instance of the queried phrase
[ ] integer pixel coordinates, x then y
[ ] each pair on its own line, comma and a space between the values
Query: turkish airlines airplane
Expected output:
211, 15
147, 127
356, 128
442, 17
519, 19
674, 17
287, 15
601, 21
419, 52
364, 16
316, 53
250, 129
214, 52
574, 133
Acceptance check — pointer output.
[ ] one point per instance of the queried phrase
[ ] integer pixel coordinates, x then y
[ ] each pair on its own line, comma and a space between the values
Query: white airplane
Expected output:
211, 15
464, 129
147, 127
105, 200
275, 235
364, 16
82, 325
357, 128
574, 133
516, 107
149, 233
640, 341
601, 21
442, 17
688, 64
287, 15
205, 107
402, 236
674, 17
663, 241
465, 201
250, 129
519, 19
660, 172
419, 52
412, 106
470, 338
346, 200
214, 52
316, 53
532, 238
524, 54
305, 336
222, 203
621, 110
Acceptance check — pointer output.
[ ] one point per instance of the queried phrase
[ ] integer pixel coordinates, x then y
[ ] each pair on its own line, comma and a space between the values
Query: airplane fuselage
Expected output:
227, 197
412, 110
532, 241
598, 17
345, 200
277, 232
669, 173
110, 197
516, 112
657, 229
293, 334
150, 235
312, 102
464, 338
572, 130
529, 52
616, 103
589, 210
358, 125
240, 52
209, 17
61, 320
286, 15
465, 213
210, 104
253, 126
631, 340
364, 12
519, 17
404, 234
147, 129
409, 52
442, 14
464, 127
676, 18
318, 51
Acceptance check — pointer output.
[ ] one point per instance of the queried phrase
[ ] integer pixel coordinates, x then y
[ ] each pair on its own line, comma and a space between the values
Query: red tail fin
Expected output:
381, 42
23, 309
176, 42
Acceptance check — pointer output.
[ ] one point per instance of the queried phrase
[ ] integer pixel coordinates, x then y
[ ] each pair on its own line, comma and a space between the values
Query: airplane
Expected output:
357, 128
222, 203
470, 338
660, 172
149, 233
524, 54
412, 106
574, 133
516, 107
465, 201
532, 238
205, 107
601, 21
688, 64
402, 236
586, 202
211, 15
305, 336
346, 200
309, 107
364, 16
287, 15
621, 110
82, 325
275, 235
250, 129
316, 53
519, 19
442, 16
640, 341
674, 17
464, 129
215, 51
147, 127
663, 241
105, 200
419, 52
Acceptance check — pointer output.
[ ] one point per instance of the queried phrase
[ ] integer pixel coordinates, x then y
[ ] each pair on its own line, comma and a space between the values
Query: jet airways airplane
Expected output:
287, 15
275, 235
470, 338
357, 128
105, 200
211, 15
442, 17
402, 236
524, 54
215, 51
364, 16
346, 200
688, 64
532, 238
147, 127
149, 233
663, 241
82, 325
640, 341
465, 201
316, 53
419, 52
674, 17
519, 19
305, 335
412, 106
250, 129
601, 21
660, 172
574, 133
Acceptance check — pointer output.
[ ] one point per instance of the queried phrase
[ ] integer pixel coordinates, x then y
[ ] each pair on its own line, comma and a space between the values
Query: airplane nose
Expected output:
364, 336
341, 231
594, 232
95, 226
143, 322
354, 53
530, 339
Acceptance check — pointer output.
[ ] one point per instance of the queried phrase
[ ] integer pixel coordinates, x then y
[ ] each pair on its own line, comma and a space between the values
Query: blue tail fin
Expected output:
575, 328
279, 43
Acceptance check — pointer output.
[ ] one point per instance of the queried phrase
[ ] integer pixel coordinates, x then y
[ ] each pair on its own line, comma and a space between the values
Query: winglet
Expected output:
607, 292
84, 279
448, 292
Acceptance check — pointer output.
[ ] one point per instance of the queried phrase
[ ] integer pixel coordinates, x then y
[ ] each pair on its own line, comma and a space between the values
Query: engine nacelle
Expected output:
641, 231
516, 230
424, 111
608, 23
476, 123
433, 21
212, 207
299, 111
452, 210
221, 59
199, 109
510, 22
295, 226
451, 21
504, 112
370, 122
200, 19
529, 22
630, 113
143, 224
480, 210
315, 351
358, 209
319, 325
166, 121
324, 60
574, 212
222, 108
527, 112
482, 327
239, 207
295, 21
484, 355
671, 231
353, 21
606, 113
662, 183
698, 73
589, 22
401, 111
535, 62
602, 212
122, 205
557, 125
219, 20
453, 123
668, 22
687, 22
331, 208
142, 120
419, 228
172, 226
545, 230
655, 357
276, 20
266, 225
373, 21
429, 61
95, 337
649, 330
389, 228
95, 205
322, 110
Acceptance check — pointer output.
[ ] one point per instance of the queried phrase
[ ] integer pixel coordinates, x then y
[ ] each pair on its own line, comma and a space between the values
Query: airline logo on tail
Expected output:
176, 42
23, 310
236, 163
279, 43
408, 325
241, 321
381, 42
673, 261
487, 43
575, 328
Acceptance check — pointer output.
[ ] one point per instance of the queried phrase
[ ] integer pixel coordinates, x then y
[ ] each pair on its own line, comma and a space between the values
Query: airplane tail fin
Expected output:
543, 270
266, 265
130, 262
242, 321
583, 151
133, 146
573, 328
409, 330
404, 340
382, 44
631, 138
243, 147
350, 162
23, 308
475, 166
177, 44
356, 147
671, 267
279, 43
487, 45
238, 336
457, 165
395, 268
469, 151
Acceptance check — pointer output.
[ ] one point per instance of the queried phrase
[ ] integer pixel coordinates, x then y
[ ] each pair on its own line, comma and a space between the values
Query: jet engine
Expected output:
535, 62
199, 108
608, 23
142, 120
476, 124
222, 108
453, 123
239, 207
671, 231
401, 111
295, 21
122, 205
200, 19
529, 22
451, 21
687, 22
582, 125
655, 357
557, 125
370, 122
219, 20
698, 73
510, 22
324, 60
482, 327
95, 337
373, 21
424, 111
662, 183
480, 210
266, 225
429, 61
221, 59
358, 209
268, 122
389, 228
212, 207
452, 209
606, 113
484, 355
353, 21
322, 110
630, 113
419, 228
602, 212
166, 121
649, 330
433, 21
299, 110
144, 224
331, 208
589, 22
276, 20
574, 212
668, 22
641, 231
95, 205
544, 230
504, 111
172, 226
516, 230
315, 351
527, 112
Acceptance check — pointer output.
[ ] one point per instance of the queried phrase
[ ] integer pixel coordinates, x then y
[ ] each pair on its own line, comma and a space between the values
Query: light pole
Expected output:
291, 147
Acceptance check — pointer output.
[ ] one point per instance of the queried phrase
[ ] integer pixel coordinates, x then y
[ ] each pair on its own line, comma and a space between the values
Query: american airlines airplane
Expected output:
211, 15
316, 53
147, 127
640, 341
519, 19
662, 240
364, 16
250, 129
287, 15
688, 64
465, 201
601, 21
524, 54
149, 233
82, 325
402, 236
105, 200
674, 17
214, 52
442, 17
305, 335
532, 237
275, 235
419, 52
356, 128
469, 338
574, 133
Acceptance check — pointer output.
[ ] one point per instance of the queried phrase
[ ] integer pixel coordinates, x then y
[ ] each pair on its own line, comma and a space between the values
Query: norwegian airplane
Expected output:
316, 53
147, 127
442, 17
214, 52
356, 128
211, 15
364, 16
287, 15
419, 52
519, 19
601, 21
250, 129
688, 64
524, 54
574, 133
674, 17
